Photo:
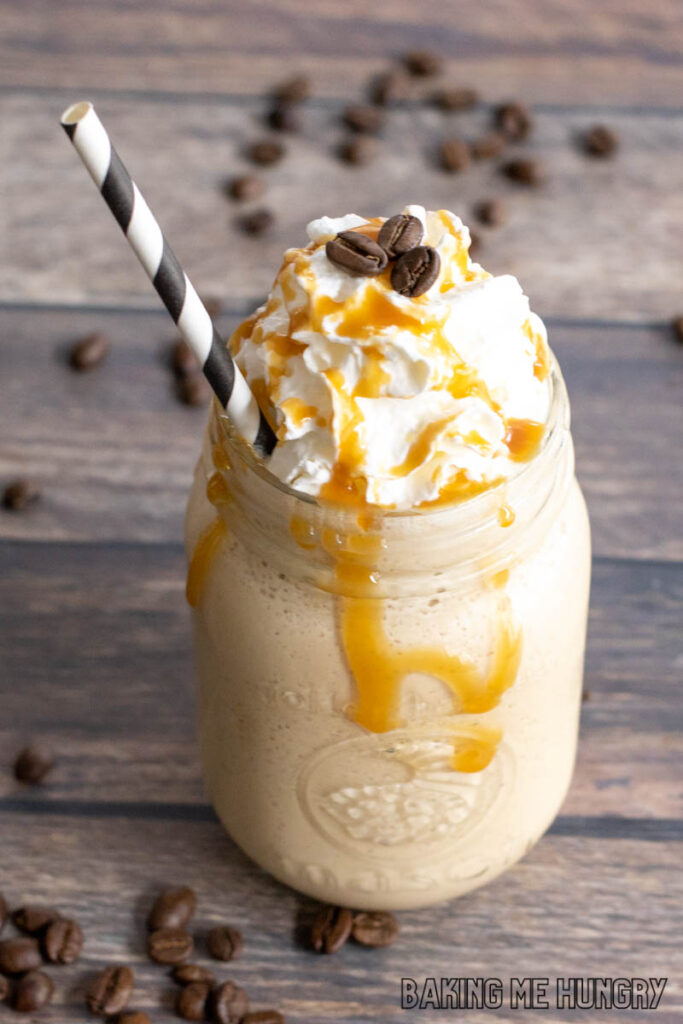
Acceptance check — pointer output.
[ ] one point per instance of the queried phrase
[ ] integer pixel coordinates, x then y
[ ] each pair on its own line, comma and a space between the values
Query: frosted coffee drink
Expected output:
390, 611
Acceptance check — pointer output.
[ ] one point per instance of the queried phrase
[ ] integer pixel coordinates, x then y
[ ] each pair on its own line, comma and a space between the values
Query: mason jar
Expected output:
388, 701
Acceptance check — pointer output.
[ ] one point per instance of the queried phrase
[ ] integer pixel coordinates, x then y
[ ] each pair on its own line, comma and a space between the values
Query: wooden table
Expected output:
94, 631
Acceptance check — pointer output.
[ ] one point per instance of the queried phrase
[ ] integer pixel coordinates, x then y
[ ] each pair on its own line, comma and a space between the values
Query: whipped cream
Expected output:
386, 400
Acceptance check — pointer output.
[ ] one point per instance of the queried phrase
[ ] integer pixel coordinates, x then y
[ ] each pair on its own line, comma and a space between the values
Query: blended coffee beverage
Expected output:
390, 611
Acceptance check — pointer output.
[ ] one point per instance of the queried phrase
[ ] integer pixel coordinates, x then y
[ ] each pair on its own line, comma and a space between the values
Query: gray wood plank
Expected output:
545, 918
615, 51
97, 664
599, 239
115, 451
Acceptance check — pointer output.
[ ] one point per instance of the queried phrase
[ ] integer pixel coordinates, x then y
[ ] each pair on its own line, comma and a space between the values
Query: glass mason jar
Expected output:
388, 702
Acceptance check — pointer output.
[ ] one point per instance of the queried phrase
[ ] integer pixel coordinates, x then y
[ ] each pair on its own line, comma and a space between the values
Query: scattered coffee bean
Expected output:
89, 352
388, 87
183, 360
455, 155
283, 117
488, 146
677, 325
134, 1017
110, 991
358, 150
193, 389
263, 1017
415, 271
357, 254
514, 120
600, 141
266, 152
224, 942
212, 305
423, 63
173, 908
456, 99
246, 187
400, 233
363, 118
20, 493
32, 765
376, 929
186, 973
63, 941
330, 929
4, 911
4, 988
524, 171
585, 696
257, 222
19, 955
229, 1003
475, 242
169, 946
491, 212
192, 999
294, 90
32, 991
34, 919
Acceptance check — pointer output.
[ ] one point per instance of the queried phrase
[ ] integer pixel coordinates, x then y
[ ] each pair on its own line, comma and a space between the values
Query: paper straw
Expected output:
173, 286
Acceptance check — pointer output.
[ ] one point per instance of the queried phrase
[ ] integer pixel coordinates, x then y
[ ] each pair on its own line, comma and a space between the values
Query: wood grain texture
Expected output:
114, 449
102, 644
618, 51
598, 239
547, 917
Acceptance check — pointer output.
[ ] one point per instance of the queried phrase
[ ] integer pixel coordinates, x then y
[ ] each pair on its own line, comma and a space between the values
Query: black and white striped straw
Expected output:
173, 286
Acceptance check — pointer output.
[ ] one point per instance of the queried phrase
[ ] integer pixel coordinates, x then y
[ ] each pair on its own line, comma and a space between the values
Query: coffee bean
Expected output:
63, 941
488, 146
294, 90
400, 233
491, 212
89, 352
229, 1003
257, 222
20, 493
110, 991
4, 911
600, 141
364, 119
34, 919
193, 389
19, 955
388, 87
192, 999
422, 63
524, 171
134, 1017
183, 360
514, 120
475, 242
357, 254
283, 117
212, 305
32, 765
224, 942
455, 155
358, 150
4, 988
376, 929
246, 187
186, 973
585, 696
173, 908
677, 325
263, 1017
330, 929
32, 991
456, 99
266, 152
169, 945
415, 271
